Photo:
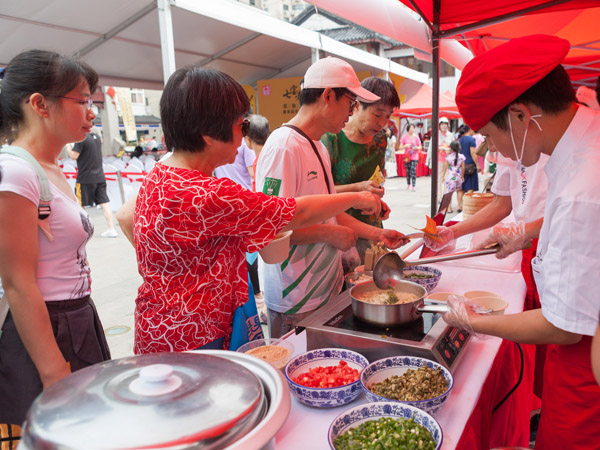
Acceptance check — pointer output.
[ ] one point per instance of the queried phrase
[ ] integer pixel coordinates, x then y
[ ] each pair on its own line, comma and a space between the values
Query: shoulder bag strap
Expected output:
298, 130
45, 196
3, 312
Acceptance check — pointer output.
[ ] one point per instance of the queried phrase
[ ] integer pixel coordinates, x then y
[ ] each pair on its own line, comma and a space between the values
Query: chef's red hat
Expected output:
495, 78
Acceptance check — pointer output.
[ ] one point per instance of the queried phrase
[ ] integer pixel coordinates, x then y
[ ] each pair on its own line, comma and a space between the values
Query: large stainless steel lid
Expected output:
159, 400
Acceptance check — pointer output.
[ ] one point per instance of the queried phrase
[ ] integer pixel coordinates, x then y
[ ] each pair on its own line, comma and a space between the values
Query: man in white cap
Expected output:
293, 163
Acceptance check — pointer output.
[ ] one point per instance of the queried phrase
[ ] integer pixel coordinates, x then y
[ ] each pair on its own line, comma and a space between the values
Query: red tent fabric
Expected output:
463, 12
420, 104
579, 27
574, 20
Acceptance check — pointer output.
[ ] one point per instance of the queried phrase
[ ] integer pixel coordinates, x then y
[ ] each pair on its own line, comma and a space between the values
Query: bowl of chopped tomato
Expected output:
410, 380
325, 378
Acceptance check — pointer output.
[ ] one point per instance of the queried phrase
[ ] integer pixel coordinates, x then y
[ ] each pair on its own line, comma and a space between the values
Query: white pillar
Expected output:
167, 43
386, 74
314, 55
110, 126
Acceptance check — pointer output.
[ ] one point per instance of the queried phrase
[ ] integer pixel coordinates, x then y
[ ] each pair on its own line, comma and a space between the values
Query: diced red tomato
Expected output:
328, 377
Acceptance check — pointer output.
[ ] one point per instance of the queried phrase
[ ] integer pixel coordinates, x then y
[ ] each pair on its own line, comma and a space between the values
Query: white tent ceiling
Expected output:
122, 39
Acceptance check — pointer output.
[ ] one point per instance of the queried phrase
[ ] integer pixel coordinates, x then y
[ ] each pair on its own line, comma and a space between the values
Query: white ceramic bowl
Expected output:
497, 305
357, 415
475, 294
324, 397
428, 283
257, 347
378, 371
278, 249
440, 296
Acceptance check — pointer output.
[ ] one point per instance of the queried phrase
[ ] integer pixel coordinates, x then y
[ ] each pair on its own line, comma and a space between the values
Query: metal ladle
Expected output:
388, 269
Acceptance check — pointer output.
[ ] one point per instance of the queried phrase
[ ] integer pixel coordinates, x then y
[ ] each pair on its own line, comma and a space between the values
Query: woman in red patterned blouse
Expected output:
192, 230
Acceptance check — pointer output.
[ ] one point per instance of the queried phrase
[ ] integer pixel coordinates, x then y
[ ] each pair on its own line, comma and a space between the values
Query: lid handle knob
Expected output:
156, 379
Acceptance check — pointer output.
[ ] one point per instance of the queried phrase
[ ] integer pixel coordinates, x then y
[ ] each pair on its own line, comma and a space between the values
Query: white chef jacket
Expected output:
567, 264
527, 189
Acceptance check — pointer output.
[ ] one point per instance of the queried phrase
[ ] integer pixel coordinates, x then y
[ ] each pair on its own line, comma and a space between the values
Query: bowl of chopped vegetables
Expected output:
326, 377
393, 425
426, 276
410, 380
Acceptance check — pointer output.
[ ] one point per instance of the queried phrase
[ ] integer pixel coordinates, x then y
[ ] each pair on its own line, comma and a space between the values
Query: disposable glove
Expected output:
460, 312
445, 239
510, 236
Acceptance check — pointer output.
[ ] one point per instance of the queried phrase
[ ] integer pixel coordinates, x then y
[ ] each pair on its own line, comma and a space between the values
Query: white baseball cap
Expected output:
336, 73
444, 120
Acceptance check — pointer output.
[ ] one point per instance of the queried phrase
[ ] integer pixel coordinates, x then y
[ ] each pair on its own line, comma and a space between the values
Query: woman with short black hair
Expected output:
192, 230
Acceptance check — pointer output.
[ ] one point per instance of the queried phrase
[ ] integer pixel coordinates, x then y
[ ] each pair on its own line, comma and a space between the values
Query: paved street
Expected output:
115, 278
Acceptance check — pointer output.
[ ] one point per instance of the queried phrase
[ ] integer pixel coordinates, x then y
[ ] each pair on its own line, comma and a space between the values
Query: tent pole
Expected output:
435, 119
167, 42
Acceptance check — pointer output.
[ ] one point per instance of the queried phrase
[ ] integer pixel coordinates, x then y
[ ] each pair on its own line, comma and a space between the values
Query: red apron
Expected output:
532, 301
571, 402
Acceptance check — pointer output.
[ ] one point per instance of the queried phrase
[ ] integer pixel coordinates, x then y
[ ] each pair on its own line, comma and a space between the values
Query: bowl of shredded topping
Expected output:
426, 276
385, 425
276, 352
410, 380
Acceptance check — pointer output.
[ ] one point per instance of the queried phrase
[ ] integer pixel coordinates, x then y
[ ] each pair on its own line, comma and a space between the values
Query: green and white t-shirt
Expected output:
312, 274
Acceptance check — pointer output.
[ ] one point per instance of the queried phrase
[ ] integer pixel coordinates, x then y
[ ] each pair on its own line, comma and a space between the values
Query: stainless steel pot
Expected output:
195, 400
392, 315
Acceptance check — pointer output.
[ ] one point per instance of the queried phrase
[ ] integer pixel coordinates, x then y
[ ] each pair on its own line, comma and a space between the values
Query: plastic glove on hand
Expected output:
460, 314
445, 239
510, 236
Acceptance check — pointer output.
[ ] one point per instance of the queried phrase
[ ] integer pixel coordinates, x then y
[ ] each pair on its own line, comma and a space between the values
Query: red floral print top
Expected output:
191, 234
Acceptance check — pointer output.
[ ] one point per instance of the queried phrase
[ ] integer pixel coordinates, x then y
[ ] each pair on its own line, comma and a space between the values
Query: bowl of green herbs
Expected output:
385, 425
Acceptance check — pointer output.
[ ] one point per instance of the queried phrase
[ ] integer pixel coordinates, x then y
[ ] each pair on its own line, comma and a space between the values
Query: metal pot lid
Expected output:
158, 400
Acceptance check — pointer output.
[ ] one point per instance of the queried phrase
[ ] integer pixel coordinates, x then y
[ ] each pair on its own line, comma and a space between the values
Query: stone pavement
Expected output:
115, 278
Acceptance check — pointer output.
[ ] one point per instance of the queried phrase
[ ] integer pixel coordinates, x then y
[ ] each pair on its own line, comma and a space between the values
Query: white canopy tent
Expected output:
139, 43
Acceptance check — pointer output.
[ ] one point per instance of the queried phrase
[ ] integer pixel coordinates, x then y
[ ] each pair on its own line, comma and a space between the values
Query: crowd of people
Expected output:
231, 185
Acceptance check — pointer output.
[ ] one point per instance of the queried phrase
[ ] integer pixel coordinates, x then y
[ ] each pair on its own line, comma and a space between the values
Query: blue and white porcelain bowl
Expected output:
324, 397
379, 370
428, 283
374, 411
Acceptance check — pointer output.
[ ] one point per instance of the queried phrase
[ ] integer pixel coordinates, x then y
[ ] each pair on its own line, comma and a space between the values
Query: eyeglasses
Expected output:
353, 101
88, 102
245, 125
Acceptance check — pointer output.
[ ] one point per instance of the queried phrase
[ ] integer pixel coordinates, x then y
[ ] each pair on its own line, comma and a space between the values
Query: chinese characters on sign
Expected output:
291, 94
278, 99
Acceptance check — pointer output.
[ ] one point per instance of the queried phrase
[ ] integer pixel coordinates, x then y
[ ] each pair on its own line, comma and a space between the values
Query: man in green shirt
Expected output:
358, 151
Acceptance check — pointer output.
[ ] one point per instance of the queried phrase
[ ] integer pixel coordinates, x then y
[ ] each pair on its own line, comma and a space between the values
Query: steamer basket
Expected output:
475, 201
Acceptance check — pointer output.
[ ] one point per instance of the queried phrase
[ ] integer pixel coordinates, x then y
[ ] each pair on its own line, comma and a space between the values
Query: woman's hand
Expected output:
370, 186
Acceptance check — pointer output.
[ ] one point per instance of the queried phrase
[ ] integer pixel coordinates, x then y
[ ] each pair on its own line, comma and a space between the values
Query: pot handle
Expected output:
439, 308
